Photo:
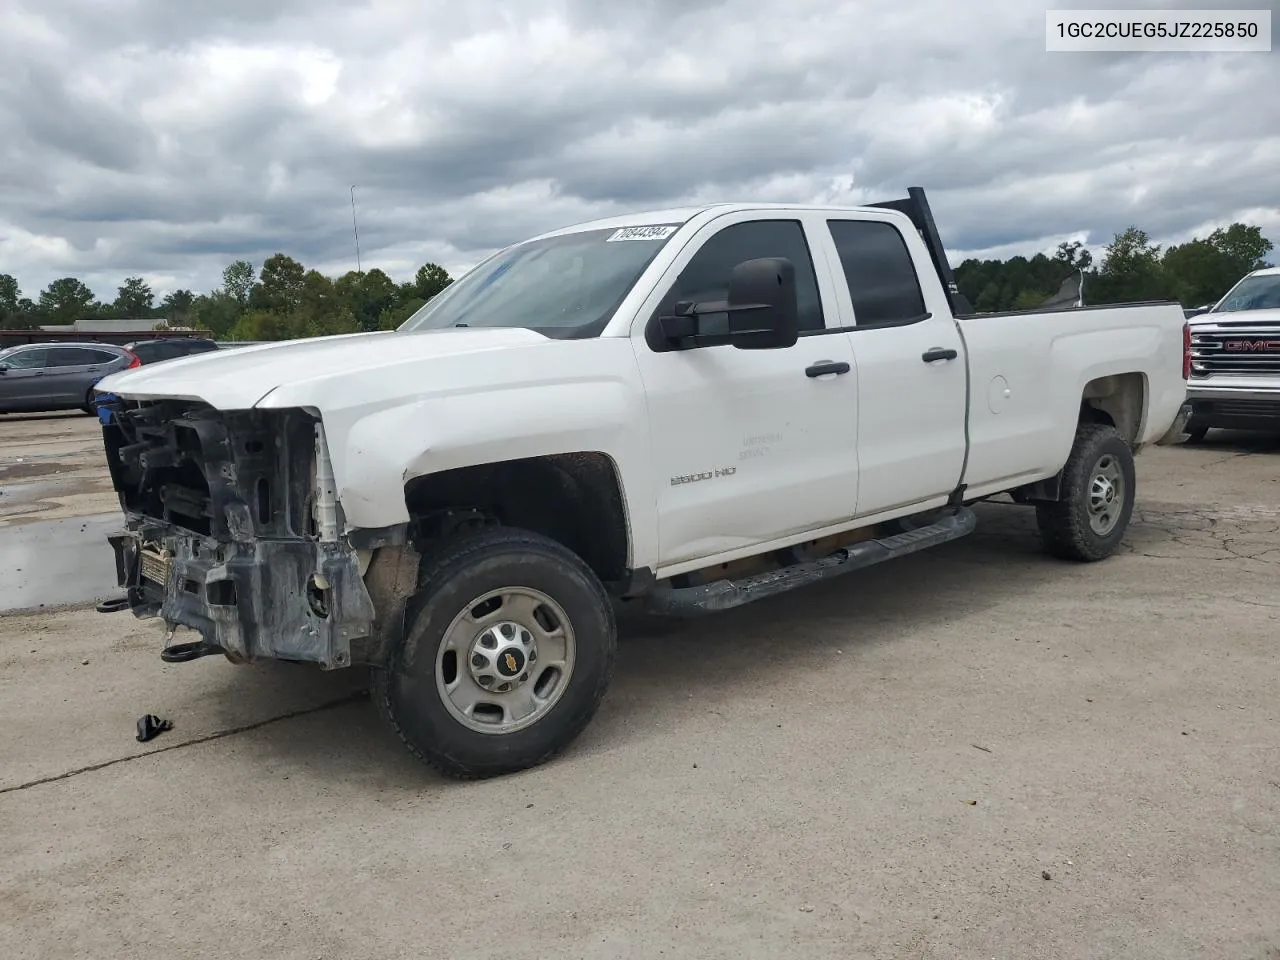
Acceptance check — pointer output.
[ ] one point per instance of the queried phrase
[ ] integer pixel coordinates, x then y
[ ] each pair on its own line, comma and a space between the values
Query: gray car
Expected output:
57, 376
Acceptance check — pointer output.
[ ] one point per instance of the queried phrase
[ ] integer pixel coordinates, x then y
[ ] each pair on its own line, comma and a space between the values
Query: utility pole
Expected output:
355, 229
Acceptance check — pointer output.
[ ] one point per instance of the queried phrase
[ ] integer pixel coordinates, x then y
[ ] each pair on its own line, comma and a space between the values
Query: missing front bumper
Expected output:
259, 600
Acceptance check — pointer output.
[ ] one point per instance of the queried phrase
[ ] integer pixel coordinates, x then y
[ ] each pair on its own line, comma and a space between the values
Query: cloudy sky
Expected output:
167, 137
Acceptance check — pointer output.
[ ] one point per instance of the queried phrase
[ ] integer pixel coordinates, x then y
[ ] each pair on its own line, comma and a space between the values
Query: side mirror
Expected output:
761, 308
763, 312
4, 368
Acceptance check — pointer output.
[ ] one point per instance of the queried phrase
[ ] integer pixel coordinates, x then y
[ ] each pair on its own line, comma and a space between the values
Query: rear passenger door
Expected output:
912, 384
71, 371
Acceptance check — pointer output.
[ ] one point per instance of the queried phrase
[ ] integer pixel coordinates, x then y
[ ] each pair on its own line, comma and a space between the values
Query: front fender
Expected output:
467, 418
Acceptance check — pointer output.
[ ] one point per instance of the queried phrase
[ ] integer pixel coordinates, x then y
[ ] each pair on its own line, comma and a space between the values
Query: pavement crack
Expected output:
220, 735
1229, 457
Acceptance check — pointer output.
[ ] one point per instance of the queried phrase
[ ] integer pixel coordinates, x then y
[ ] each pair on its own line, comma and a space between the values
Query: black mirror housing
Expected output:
763, 311
761, 308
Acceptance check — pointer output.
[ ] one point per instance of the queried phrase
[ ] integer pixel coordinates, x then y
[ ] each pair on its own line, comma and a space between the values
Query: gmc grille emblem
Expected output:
1251, 345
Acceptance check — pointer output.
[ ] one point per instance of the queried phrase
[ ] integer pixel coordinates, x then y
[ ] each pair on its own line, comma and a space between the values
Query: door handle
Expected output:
824, 367
938, 353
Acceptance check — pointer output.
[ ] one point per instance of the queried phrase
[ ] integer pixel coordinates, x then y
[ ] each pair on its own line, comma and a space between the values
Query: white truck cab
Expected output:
684, 410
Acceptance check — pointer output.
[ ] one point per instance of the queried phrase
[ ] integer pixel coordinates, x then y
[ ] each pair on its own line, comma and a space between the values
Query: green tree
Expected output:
322, 311
218, 312
1244, 247
177, 305
262, 325
16, 311
134, 298
237, 281
67, 300
1201, 271
392, 317
10, 294
1029, 299
1131, 271
280, 285
1197, 272
1073, 255
430, 279
367, 295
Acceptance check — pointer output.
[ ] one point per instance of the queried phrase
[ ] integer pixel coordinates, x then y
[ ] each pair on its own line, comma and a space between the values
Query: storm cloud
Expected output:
166, 139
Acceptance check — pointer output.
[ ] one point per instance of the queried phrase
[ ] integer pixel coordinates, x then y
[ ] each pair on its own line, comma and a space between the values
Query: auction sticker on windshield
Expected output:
653, 232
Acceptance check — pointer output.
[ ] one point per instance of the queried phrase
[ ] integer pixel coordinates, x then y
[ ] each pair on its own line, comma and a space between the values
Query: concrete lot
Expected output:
973, 752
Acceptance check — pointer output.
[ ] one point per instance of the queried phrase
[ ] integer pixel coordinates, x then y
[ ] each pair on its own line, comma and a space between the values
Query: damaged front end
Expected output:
233, 530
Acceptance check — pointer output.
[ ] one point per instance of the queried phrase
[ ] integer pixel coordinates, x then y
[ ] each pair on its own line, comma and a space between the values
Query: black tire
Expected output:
455, 576
1196, 431
1065, 525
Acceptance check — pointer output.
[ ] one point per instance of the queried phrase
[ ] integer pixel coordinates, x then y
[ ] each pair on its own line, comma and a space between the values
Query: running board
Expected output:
726, 594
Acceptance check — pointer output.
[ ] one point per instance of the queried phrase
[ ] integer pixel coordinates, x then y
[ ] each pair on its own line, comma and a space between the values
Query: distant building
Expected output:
113, 325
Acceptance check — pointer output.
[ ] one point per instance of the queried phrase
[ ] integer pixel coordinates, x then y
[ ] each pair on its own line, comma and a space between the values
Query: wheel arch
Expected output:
1118, 400
576, 499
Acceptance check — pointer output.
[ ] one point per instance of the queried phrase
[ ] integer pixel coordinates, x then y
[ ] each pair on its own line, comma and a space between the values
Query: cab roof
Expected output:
682, 215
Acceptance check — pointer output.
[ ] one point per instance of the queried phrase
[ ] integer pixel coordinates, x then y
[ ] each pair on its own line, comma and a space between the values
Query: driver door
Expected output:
748, 446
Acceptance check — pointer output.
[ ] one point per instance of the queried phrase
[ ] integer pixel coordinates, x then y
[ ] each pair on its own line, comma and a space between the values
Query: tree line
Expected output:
280, 301
1194, 273
284, 300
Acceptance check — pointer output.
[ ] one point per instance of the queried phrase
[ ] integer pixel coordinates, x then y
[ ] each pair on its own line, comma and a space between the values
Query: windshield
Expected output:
564, 286
1252, 293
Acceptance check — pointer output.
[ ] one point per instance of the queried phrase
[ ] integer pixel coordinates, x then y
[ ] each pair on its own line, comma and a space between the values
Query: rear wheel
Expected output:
1097, 497
505, 660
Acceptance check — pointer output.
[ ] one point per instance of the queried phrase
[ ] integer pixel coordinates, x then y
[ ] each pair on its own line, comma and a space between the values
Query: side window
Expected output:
73, 357
706, 277
148, 352
880, 273
27, 360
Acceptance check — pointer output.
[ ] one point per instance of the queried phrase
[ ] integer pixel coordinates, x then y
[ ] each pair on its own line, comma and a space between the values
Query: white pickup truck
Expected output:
1235, 358
682, 411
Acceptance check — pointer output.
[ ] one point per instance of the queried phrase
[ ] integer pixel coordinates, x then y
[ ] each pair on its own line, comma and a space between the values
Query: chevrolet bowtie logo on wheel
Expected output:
512, 665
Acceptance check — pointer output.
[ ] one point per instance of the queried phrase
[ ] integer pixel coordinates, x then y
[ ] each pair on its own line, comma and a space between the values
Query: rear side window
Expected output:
707, 275
879, 271
148, 352
78, 357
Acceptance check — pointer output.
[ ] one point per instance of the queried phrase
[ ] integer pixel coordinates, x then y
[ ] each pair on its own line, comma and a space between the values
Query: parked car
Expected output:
170, 348
1235, 359
683, 411
39, 377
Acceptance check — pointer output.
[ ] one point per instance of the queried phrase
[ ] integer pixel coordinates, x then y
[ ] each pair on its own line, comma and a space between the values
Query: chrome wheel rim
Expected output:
505, 660
1106, 495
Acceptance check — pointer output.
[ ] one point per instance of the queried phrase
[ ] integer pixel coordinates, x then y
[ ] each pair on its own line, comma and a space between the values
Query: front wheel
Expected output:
1097, 496
505, 660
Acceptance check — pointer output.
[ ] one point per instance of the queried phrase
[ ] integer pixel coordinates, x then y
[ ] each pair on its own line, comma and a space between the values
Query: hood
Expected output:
1238, 318
238, 378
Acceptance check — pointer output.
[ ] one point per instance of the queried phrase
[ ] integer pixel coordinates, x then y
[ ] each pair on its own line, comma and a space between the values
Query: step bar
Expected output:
727, 594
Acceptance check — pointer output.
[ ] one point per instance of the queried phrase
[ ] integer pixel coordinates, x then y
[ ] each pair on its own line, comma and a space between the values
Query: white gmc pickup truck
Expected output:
1235, 359
682, 411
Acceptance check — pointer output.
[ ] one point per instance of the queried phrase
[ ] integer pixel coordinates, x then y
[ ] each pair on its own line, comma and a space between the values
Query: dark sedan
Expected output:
38, 377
